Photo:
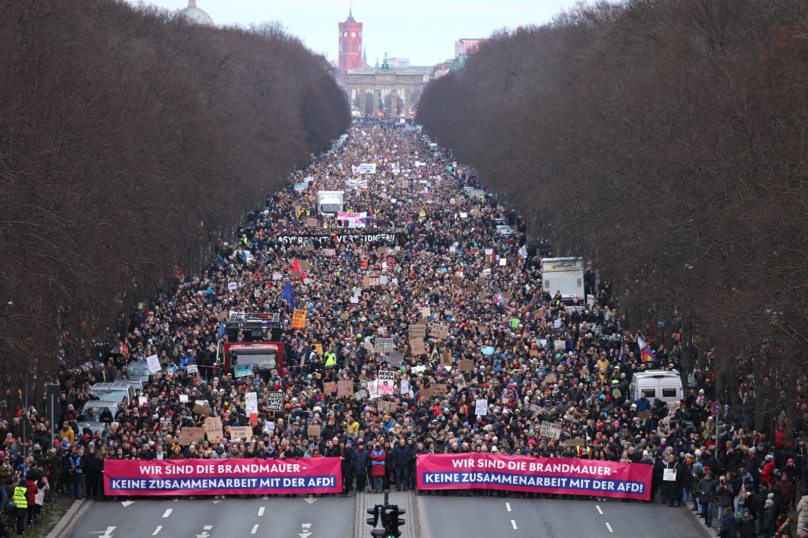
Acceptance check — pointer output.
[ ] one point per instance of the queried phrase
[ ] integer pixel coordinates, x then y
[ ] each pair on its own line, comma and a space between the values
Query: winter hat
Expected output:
769, 457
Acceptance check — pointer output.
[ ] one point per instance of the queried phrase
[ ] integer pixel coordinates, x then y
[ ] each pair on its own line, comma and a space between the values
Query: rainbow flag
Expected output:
647, 356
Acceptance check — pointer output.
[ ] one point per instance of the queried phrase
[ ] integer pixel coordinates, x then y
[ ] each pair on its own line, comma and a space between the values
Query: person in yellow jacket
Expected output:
20, 500
330, 359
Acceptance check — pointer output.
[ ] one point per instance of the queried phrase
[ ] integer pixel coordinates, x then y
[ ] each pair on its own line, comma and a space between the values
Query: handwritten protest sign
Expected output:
192, 435
344, 388
548, 429
313, 431
213, 429
417, 331
481, 407
299, 319
202, 409
387, 382
240, 432
417, 346
275, 401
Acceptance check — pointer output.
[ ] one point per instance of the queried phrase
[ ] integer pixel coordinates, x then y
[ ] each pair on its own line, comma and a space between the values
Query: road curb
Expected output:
70, 518
707, 532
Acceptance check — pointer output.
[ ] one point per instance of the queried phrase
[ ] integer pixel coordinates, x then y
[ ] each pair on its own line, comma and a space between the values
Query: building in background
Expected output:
196, 15
398, 61
467, 45
350, 46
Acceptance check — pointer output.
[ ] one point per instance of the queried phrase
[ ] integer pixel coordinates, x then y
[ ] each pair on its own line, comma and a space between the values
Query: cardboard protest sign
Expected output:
425, 312
481, 407
440, 389
507, 295
344, 388
457, 280
446, 358
386, 407
299, 319
192, 435
295, 275
213, 429
645, 415
575, 442
240, 432
202, 409
417, 331
311, 223
417, 346
304, 264
439, 331
344, 316
313, 431
426, 392
548, 429
330, 387
330, 252
466, 365
275, 401
551, 378
534, 352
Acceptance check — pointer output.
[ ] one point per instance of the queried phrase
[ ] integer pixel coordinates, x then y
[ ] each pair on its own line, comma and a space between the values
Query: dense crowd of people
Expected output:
493, 334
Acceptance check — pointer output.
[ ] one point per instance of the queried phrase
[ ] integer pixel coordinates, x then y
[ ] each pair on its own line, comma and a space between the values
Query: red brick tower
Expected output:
350, 45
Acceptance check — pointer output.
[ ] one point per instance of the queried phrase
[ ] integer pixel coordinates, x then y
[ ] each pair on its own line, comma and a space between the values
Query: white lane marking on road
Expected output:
255, 529
609, 527
599, 510
104, 534
168, 512
157, 530
207, 527
306, 526
508, 506
514, 524
127, 503
261, 511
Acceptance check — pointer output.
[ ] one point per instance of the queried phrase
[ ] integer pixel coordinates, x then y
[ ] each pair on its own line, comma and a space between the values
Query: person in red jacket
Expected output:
30, 485
780, 437
377, 467
768, 470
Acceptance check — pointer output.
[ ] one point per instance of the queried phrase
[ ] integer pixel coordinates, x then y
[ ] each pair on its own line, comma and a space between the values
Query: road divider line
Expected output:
157, 530
255, 529
508, 506
599, 510
168, 512
261, 511
513, 522
609, 527
207, 527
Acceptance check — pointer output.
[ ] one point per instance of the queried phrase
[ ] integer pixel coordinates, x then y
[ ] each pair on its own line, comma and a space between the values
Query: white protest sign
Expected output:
387, 382
232, 286
669, 475
154, 364
548, 429
251, 402
192, 369
481, 408
405, 386
183, 398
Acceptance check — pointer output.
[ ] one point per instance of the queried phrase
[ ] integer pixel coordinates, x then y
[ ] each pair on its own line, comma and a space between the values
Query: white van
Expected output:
658, 384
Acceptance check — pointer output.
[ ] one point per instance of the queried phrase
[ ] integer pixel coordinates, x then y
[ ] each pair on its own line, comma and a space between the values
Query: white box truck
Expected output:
565, 275
330, 202
662, 384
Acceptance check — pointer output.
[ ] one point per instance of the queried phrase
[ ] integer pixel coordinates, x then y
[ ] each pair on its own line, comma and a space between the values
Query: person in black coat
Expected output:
346, 455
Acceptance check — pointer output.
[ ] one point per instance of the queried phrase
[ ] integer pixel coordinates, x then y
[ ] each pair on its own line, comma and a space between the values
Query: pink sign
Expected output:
542, 475
222, 477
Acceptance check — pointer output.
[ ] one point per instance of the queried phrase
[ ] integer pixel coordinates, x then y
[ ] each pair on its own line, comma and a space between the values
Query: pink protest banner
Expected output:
542, 475
218, 477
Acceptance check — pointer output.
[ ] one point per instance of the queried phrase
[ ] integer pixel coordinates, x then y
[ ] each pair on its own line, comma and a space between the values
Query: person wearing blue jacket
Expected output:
643, 403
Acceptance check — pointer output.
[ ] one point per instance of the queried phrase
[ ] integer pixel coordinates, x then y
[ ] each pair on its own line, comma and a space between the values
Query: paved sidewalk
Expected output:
709, 532
406, 500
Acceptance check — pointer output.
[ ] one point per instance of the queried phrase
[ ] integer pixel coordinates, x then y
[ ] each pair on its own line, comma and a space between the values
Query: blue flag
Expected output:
289, 295
222, 330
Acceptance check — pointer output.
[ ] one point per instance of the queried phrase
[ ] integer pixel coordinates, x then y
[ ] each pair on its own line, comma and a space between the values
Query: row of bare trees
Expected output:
130, 139
666, 142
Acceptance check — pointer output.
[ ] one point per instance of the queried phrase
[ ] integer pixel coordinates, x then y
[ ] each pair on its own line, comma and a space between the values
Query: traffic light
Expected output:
396, 522
378, 530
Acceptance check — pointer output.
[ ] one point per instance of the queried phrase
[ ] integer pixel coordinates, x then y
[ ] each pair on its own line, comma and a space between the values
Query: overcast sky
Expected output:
422, 30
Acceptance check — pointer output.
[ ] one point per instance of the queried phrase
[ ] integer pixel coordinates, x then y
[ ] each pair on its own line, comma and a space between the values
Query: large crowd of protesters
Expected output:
441, 256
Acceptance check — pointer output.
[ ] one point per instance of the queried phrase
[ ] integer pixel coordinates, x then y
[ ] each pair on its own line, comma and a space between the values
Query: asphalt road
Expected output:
445, 517
203, 517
